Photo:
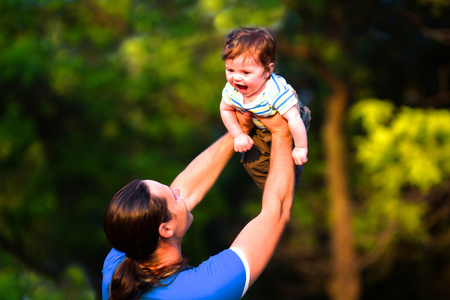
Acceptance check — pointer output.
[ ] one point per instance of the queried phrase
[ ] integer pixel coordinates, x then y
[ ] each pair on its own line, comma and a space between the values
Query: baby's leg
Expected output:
305, 114
256, 161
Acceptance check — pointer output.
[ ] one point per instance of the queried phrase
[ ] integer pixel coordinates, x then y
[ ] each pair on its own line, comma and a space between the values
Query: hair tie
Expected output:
130, 257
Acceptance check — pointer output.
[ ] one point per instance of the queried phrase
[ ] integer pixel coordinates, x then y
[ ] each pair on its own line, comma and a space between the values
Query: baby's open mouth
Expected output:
241, 87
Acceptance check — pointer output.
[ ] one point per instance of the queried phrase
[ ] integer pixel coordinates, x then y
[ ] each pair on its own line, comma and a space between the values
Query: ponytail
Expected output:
131, 280
123, 283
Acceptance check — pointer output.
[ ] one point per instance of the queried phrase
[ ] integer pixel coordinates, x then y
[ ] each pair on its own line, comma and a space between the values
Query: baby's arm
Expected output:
298, 132
242, 141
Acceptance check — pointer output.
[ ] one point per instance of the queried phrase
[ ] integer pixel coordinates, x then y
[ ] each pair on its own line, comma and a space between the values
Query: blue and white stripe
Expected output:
278, 96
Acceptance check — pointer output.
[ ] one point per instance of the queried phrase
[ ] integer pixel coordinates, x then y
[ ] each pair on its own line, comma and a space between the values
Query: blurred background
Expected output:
95, 93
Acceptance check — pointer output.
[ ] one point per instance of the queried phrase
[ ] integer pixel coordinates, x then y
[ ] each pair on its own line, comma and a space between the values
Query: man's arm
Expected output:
199, 176
260, 236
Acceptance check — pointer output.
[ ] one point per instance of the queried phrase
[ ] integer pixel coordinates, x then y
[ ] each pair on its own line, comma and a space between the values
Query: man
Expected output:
146, 221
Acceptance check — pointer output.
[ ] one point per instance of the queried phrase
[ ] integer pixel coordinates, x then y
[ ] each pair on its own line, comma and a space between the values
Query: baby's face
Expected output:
247, 76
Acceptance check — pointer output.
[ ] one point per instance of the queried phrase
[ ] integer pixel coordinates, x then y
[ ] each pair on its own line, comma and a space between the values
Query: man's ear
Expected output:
165, 230
271, 66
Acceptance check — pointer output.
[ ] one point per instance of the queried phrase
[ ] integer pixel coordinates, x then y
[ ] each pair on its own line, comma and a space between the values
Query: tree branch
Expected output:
439, 35
380, 247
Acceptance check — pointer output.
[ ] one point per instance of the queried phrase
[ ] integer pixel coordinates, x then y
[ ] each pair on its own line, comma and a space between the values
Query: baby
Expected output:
249, 56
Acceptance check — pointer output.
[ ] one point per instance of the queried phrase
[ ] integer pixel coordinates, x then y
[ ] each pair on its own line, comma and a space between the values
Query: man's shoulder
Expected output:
222, 276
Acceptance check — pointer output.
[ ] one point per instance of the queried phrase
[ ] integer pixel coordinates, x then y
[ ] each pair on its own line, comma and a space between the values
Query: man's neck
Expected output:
168, 253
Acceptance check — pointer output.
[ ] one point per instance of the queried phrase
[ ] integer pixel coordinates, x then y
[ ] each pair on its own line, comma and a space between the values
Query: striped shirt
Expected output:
278, 96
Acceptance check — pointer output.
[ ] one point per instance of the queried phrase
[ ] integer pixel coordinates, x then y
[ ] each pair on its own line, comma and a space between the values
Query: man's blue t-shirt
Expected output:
223, 276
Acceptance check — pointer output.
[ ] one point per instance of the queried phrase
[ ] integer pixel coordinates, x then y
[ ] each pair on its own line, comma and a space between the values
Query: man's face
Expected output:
181, 216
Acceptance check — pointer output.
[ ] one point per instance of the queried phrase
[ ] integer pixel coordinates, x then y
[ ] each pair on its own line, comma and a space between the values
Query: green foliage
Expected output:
228, 14
398, 150
408, 147
18, 282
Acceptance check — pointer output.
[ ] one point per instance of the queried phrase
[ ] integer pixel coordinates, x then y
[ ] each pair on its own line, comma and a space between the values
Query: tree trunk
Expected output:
345, 278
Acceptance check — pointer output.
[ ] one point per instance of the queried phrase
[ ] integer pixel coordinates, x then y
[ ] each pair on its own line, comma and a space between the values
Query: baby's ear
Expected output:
271, 66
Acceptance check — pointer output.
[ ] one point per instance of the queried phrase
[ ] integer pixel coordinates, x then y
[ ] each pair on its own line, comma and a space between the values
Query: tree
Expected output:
339, 44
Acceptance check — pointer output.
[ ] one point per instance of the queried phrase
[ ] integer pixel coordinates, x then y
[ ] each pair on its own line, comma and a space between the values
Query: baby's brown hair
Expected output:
256, 42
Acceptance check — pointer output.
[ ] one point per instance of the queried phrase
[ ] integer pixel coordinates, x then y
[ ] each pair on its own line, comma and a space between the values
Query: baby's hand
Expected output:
300, 155
242, 142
